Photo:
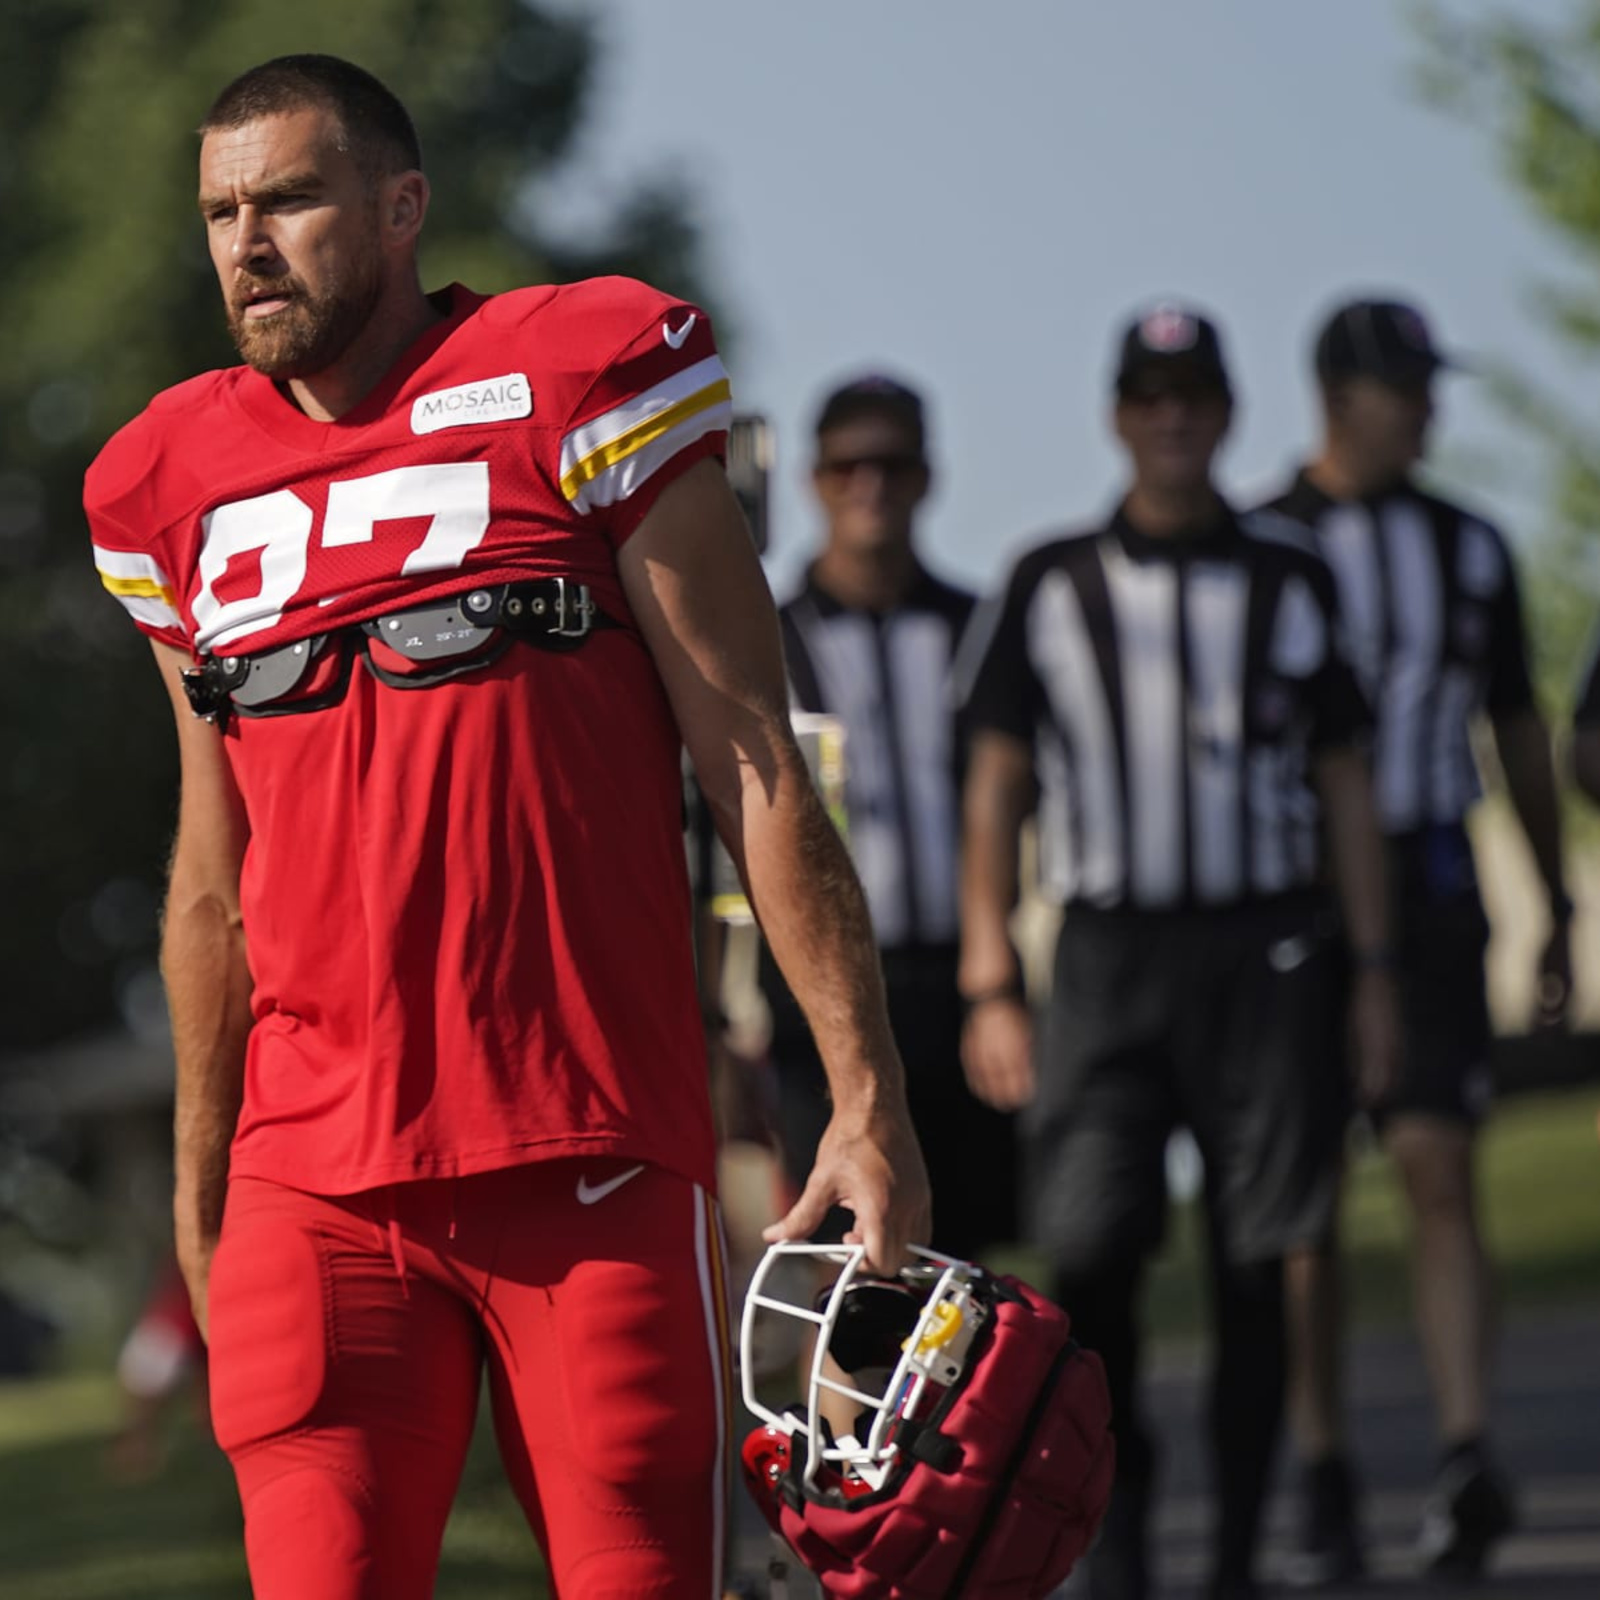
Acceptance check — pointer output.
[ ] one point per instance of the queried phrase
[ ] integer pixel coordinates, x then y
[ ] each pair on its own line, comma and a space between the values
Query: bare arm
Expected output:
996, 1041
1586, 761
699, 595
1525, 756
1343, 777
207, 980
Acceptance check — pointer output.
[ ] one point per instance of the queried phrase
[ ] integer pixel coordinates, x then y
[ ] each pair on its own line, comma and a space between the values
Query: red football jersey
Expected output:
465, 905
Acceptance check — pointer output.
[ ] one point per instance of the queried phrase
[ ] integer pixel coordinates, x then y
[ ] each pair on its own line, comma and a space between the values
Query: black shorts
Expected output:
1441, 935
1230, 1023
970, 1150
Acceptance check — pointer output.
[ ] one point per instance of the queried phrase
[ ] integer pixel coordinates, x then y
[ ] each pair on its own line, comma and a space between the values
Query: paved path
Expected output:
1548, 1437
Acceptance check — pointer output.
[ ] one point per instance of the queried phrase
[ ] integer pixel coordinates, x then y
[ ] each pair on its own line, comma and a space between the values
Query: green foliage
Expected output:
1534, 87
109, 297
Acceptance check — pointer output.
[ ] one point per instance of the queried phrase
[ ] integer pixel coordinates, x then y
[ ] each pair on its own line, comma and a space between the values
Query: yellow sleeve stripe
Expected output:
143, 588
137, 580
644, 433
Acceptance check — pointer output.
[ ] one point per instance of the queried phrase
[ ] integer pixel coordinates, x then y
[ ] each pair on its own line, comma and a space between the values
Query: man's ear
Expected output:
406, 205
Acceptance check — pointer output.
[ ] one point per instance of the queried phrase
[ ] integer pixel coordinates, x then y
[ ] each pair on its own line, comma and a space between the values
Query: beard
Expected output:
312, 331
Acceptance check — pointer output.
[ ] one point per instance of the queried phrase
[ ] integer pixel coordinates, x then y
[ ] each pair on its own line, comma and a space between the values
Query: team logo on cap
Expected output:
1169, 329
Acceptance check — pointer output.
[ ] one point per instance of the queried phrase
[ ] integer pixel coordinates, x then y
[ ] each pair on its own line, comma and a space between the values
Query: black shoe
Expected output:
1328, 1546
1468, 1510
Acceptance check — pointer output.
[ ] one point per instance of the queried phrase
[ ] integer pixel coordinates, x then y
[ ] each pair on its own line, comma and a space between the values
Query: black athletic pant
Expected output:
1245, 1409
1229, 1023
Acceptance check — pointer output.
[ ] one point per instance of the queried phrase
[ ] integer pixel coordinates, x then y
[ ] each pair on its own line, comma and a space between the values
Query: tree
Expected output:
1536, 88
109, 297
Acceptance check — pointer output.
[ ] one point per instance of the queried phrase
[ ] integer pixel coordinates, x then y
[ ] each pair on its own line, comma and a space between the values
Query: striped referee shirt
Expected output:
886, 676
1433, 626
1174, 691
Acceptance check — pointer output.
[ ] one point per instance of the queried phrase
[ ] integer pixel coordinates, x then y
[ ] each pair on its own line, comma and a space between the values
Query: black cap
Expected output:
873, 395
1383, 339
1171, 338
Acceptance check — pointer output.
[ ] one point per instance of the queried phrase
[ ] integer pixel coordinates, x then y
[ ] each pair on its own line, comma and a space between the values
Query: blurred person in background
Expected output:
870, 638
1167, 684
438, 586
1433, 627
1586, 726
161, 1363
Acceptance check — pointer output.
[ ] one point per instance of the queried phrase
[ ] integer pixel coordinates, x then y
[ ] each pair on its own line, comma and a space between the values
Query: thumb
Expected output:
803, 1218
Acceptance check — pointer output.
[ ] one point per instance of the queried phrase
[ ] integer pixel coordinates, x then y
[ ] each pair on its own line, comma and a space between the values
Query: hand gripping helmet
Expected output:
980, 1461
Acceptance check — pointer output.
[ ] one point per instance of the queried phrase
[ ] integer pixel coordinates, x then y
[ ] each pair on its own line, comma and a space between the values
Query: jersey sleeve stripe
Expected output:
615, 483
143, 588
599, 444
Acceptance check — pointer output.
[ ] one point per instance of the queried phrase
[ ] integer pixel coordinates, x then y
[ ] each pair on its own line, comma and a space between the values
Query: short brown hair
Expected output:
376, 125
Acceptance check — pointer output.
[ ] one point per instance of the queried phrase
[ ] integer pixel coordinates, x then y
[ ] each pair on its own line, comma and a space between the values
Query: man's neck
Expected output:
390, 332
1174, 513
876, 580
1341, 476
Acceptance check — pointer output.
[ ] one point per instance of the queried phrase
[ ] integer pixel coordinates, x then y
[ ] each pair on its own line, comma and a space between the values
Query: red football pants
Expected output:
348, 1339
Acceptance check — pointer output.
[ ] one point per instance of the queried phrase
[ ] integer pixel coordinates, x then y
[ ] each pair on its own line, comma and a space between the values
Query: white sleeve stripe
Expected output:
139, 583
152, 612
623, 477
128, 564
596, 434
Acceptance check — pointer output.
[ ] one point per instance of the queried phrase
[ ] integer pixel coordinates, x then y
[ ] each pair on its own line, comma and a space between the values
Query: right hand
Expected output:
1375, 1037
870, 1163
997, 1053
196, 1244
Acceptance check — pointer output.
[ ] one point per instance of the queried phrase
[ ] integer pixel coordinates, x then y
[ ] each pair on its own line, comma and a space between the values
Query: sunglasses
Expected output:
892, 464
1184, 393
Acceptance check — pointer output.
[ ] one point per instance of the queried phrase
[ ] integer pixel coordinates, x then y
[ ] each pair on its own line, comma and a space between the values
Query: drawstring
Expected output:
396, 1253
453, 1182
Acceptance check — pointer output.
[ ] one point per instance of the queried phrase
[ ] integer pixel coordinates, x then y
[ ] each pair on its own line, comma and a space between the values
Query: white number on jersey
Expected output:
454, 496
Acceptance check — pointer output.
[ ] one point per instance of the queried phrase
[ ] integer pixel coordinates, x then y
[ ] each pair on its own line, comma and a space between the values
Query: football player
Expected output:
447, 579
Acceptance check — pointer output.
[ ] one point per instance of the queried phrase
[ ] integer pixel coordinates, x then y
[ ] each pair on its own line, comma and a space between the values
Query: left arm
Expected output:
1523, 744
697, 591
1343, 777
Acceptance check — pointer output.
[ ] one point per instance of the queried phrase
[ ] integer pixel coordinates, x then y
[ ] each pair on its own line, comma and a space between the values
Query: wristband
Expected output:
1560, 906
1011, 989
1373, 958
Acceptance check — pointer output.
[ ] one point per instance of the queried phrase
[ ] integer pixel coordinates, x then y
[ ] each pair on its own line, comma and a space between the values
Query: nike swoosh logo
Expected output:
1287, 954
675, 340
588, 1192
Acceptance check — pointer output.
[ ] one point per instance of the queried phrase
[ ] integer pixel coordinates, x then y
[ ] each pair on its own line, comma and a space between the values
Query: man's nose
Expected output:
252, 243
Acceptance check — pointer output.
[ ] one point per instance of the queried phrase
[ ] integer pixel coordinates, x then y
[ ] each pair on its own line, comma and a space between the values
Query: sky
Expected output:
977, 197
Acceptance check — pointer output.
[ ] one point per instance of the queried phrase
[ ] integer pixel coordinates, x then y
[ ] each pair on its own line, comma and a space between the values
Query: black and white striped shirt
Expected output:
1174, 690
887, 678
1433, 626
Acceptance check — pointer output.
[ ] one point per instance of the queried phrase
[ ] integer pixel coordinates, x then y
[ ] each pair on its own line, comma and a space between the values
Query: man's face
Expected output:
870, 476
1384, 423
1172, 423
292, 226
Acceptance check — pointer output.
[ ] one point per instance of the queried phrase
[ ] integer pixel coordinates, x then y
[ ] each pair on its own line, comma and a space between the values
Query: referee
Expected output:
1434, 629
1586, 726
1168, 681
869, 638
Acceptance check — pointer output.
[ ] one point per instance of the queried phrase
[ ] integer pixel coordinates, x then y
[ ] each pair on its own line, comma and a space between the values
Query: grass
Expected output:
69, 1531
1539, 1189
72, 1531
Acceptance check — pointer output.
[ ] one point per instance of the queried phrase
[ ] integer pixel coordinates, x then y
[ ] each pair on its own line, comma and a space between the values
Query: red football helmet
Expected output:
981, 1459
